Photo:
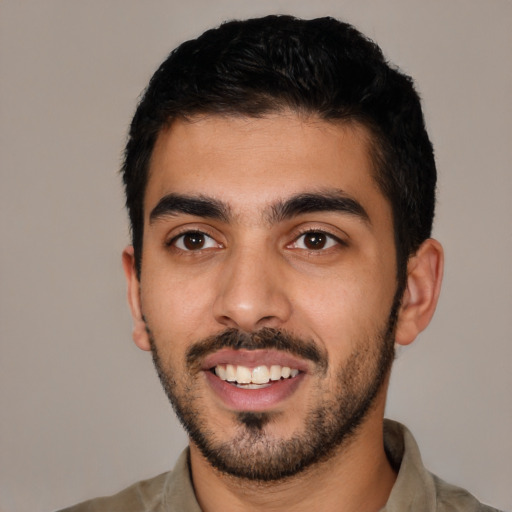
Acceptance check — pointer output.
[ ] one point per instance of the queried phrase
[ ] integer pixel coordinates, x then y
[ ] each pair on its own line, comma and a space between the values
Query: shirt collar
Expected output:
414, 488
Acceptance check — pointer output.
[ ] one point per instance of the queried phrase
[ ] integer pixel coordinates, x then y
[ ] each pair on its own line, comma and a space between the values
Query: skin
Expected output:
254, 271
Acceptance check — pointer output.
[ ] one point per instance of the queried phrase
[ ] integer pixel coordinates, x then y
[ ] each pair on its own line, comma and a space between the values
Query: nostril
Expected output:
250, 304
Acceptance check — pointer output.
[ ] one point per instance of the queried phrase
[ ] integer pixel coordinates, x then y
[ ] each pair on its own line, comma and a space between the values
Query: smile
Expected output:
255, 378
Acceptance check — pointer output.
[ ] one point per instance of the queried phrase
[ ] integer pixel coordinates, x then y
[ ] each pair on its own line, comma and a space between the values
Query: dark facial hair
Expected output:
252, 453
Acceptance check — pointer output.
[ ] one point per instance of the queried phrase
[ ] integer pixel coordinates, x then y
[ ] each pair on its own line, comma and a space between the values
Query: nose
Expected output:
251, 292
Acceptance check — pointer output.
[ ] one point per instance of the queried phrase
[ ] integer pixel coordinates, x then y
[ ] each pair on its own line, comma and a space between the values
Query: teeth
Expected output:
275, 372
260, 375
230, 373
220, 371
253, 379
252, 386
243, 375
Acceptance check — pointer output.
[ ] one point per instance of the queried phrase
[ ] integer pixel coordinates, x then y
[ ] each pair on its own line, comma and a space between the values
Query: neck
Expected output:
358, 476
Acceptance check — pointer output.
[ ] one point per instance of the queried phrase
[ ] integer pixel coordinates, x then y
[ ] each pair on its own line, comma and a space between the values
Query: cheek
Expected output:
345, 306
176, 307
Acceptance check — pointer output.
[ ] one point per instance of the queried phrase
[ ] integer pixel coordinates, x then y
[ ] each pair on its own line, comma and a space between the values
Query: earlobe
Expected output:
140, 335
424, 276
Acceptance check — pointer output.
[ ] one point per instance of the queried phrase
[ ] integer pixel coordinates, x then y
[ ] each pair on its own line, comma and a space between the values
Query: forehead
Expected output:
246, 162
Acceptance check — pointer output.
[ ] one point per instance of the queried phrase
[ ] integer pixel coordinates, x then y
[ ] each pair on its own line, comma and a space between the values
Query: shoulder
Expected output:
415, 487
169, 492
143, 496
451, 498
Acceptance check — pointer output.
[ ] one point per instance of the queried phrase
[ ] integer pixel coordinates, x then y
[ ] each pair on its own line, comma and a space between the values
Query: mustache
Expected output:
266, 338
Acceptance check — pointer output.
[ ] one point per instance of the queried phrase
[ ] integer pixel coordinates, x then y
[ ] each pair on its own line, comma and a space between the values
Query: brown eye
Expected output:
194, 241
315, 241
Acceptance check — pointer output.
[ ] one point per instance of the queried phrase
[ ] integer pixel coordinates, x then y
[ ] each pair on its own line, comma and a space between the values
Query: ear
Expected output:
424, 276
140, 335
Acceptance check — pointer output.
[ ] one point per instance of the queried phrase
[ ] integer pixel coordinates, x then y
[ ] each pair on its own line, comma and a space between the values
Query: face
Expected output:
267, 287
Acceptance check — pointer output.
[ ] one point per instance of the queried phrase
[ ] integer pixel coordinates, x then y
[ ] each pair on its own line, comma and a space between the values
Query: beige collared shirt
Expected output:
415, 488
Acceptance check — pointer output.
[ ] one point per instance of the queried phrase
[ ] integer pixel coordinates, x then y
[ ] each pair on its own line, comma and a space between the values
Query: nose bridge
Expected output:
250, 294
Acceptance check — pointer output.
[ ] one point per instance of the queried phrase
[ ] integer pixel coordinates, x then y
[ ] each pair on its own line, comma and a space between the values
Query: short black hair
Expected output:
321, 67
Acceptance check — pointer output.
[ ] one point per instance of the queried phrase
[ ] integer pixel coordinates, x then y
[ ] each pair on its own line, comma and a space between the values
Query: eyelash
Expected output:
173, 242
331, 237
331, 241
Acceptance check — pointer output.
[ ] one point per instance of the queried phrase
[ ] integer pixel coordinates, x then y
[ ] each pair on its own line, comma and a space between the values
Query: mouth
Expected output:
259, 377
258, 380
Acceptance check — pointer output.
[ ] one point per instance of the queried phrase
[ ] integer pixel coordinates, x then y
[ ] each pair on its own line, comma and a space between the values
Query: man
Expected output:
281, 188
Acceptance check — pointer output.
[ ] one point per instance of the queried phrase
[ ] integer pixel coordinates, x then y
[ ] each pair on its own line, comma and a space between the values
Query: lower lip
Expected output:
256, 400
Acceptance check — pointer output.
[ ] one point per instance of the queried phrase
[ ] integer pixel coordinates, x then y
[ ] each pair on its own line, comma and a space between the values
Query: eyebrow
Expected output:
174, 204
329, 201
207, 207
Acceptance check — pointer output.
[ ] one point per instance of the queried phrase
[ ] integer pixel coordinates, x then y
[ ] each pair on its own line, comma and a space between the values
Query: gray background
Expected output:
82, 412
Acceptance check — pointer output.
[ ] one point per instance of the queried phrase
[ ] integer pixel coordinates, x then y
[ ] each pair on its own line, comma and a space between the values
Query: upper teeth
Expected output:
258, 375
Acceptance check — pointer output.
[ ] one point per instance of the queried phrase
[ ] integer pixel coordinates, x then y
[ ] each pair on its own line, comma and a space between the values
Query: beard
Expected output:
331, 422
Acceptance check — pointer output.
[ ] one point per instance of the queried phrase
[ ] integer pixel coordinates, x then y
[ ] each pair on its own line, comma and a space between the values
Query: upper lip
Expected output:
253, 358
